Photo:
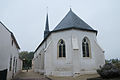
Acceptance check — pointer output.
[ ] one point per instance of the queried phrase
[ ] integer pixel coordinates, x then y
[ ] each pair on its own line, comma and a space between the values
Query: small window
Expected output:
61, 48
16, 66
86, 47
12, 42
10, 68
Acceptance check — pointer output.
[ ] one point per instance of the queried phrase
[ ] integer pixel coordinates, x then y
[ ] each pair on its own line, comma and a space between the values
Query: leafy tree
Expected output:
23, 55
27, 59
30, 55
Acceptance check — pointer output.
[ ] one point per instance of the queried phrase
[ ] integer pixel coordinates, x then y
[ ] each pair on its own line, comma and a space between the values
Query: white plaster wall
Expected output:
83, 62
19, 65
5, 50
74, 63
8, 50
37, 58
48, 58
100, 58
62, 66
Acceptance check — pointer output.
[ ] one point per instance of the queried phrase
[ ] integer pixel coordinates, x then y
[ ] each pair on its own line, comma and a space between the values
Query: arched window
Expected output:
61, 48
86, 47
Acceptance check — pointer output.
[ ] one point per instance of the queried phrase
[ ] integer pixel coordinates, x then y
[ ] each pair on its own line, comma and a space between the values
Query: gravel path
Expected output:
30, 75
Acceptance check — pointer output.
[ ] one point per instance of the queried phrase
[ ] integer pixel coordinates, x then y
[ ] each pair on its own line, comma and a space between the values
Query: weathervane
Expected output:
70, 4
47, 9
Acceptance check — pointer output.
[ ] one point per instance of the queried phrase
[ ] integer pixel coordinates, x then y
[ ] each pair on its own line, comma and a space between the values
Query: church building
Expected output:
70, 49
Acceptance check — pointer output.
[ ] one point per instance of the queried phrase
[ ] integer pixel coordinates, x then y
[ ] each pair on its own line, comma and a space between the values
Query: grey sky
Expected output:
26, 19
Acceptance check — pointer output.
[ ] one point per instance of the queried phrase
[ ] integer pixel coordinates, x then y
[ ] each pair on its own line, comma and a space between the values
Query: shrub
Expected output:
115, 62
117, 65
109, 70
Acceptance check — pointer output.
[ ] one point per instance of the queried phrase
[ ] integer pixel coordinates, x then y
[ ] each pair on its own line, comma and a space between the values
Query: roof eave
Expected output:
13, 37
43, 41
76, 28
63, 30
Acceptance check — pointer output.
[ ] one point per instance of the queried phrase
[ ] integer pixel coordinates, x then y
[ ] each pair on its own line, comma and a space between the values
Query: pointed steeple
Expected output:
46, 32
47, 24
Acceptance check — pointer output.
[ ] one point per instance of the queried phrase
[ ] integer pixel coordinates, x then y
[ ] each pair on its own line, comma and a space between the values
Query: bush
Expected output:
117, 65
109, 70
116, 62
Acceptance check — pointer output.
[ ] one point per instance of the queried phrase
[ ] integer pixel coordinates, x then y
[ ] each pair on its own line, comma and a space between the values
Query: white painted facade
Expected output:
46, 58
9, 50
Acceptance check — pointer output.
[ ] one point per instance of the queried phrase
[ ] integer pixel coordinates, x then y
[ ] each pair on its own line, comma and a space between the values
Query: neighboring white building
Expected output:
10, 64
70, 49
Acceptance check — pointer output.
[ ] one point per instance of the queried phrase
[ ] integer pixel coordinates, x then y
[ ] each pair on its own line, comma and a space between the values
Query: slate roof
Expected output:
71, 20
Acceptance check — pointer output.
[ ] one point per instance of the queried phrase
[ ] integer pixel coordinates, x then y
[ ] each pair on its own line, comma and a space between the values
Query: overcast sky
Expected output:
26, 19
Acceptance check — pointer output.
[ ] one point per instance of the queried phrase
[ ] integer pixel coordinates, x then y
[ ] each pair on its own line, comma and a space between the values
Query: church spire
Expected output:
46, 32
47, 24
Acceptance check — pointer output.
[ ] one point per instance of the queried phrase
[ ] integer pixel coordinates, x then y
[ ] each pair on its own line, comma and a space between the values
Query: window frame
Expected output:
63, 49
10, 64
86, 53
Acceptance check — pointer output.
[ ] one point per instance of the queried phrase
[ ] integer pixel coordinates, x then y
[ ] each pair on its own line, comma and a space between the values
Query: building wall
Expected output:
5, 50
8, 49
74, 63
37, 67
